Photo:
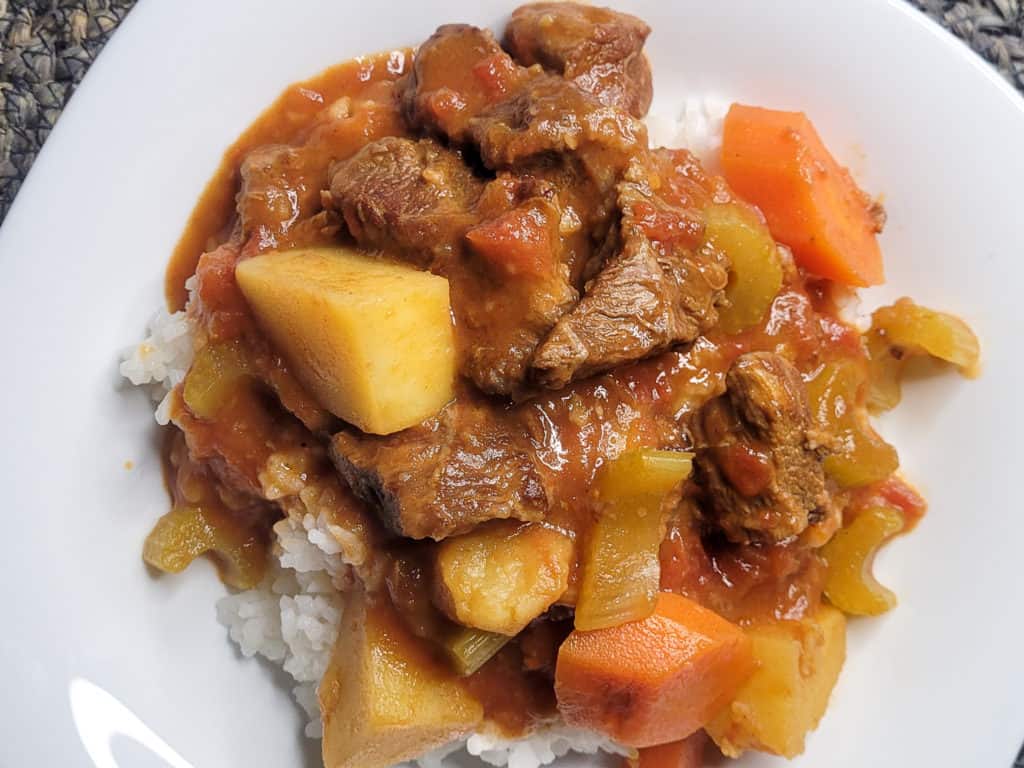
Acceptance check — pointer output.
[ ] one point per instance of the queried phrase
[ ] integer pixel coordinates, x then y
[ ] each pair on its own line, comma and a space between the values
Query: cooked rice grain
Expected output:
697, 127
160, 361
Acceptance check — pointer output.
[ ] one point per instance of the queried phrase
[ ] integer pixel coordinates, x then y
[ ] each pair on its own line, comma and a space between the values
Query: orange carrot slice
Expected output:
653, 681
777, 161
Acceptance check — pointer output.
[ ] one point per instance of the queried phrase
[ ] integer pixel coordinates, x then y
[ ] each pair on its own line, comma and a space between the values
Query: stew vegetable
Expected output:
580, 424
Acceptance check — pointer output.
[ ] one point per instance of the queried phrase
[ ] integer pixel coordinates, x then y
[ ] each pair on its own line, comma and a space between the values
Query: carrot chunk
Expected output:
777, 161
653, 681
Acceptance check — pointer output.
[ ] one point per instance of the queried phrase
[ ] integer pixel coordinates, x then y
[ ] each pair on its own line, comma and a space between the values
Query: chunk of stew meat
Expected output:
599, 50
759, 455
279, 187
463, 86
456, 74
513, 282
413, 199
660, 288
454, 471
546, 113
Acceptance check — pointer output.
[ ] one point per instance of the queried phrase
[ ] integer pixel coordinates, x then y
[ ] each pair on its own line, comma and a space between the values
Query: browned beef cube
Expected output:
514, 281
452, 472
759, 454
547, 113
659, 288
455, 75
599, 50
463, 86
411, 198
280, 187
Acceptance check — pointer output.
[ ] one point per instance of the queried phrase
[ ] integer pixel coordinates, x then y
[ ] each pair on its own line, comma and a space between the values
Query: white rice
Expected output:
540, 748
696, 127
292, 618
160, 361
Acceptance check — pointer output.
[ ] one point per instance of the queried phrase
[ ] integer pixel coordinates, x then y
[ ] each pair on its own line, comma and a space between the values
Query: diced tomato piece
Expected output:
669, 226
497, 73
223, 308
519, 242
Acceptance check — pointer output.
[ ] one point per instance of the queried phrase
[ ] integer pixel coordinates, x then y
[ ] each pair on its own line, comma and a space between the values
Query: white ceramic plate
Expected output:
938, 682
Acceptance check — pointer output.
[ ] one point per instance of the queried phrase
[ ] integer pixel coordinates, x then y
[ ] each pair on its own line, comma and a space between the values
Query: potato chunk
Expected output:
502, 575
371, 339
786, 697
384, 697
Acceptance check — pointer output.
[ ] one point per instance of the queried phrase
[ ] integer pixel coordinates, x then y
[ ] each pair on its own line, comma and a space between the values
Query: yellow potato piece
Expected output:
371, 339
784, 700
385, 697
503, 575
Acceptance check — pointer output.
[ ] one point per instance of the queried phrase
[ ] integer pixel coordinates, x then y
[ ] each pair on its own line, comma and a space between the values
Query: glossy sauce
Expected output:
573, 431
288, 120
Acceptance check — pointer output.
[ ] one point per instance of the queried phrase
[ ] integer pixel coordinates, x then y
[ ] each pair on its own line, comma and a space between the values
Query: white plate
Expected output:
938, 682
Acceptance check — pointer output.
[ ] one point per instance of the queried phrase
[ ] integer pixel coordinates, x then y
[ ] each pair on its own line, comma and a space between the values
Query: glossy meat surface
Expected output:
410, 198
464, 87
598, 49
513, 279
444, 477
760, 454
456, 74
548, 114
660, 288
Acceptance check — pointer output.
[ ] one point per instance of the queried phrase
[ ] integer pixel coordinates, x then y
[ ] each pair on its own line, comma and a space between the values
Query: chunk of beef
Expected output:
498, 336
513, 283
524, 260
759, 454
547, 113
463, 86
413, 198
586, 211
627, 313
598, 49
500, 245
280, 187
443, 477
457, 73
659, 288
